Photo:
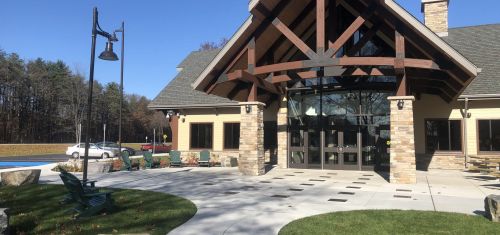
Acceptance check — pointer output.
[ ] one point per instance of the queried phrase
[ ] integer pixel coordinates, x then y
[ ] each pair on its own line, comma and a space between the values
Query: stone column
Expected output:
403, 164
251, 158
283, 134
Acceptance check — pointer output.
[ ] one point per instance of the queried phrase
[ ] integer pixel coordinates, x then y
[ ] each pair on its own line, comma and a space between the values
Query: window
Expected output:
489, 135
443, 135
201, 136
231, 135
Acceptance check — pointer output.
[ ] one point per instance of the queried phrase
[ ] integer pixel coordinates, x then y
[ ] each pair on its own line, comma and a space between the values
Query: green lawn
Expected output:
35, 210
391, 222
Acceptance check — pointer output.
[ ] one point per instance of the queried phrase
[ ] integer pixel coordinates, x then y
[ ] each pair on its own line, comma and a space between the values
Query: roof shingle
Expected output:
179, 91
481, 45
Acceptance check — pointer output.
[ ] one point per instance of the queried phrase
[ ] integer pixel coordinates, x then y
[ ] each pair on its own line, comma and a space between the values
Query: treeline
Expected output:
45, 102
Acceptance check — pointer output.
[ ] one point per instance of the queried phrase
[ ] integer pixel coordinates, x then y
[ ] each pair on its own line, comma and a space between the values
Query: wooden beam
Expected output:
294, 39
399, 64
346, 61
320, 26
281, 78
211, 88
294, 26
250, 78
279, 67
253, 94
236, 59
251, 56
455, 72
349, 32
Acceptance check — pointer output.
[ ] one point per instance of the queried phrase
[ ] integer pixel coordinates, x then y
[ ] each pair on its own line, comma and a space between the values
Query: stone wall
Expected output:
436, 15
440, 161
403, 162
215, 156
251, 159
282, 134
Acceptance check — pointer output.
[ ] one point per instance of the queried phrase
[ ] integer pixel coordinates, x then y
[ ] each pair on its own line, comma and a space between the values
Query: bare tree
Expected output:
207, 46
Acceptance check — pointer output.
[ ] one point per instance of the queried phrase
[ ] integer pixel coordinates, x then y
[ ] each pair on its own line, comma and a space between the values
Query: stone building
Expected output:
348, 85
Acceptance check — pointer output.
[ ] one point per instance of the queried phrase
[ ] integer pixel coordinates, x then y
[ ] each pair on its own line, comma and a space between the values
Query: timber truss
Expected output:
325, 38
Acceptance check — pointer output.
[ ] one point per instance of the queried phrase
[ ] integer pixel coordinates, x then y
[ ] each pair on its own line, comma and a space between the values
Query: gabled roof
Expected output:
179, 94
243, 35
481, 45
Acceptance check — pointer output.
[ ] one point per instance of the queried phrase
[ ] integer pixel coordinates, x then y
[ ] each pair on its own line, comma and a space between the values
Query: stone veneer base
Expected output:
402, 154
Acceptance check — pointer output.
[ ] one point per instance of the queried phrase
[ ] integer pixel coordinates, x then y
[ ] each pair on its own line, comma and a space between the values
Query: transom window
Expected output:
489, 135
201, 135
231, 135
443, 135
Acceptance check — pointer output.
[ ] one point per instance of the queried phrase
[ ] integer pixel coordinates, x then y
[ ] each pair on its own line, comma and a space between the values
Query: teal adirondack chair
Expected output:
88, 186
148, 159
204, 158
175, 158
127, 165
88, 204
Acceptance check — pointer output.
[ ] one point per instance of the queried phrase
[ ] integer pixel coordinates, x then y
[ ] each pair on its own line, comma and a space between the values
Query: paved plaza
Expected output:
229, 203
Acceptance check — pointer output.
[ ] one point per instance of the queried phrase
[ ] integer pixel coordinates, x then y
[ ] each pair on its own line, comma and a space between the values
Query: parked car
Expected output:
94, 151
158, 148
116, 147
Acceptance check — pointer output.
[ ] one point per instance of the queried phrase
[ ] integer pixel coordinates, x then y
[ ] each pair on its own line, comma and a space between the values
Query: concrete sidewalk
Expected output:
229, 203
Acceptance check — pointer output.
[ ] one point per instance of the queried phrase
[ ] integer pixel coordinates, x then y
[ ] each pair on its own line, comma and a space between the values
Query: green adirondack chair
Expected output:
85, 183
88, 186
175, 158
88, 204
127, 165
148, 159
204, 158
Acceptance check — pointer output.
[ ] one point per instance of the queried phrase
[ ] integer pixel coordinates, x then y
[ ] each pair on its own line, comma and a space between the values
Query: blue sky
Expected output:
159, 34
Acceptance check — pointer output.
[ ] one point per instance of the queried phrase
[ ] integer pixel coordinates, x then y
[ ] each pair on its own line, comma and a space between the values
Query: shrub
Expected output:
117, 165
67, 167
161, 162
192, 159
215, 160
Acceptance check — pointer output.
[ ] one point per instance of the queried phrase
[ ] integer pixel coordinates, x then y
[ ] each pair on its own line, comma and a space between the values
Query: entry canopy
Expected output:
285, 42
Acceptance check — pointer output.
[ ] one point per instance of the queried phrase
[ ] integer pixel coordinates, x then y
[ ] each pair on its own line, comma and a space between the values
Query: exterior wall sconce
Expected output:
171, 114
401, 104
248, 108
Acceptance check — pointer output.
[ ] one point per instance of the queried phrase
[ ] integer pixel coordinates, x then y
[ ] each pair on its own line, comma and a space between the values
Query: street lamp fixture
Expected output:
108, 54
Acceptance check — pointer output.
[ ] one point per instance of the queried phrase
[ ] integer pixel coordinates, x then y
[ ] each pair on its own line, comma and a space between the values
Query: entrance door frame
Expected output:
339, 150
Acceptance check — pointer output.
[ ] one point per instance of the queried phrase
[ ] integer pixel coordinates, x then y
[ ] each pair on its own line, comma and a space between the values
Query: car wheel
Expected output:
105, 155
75, 155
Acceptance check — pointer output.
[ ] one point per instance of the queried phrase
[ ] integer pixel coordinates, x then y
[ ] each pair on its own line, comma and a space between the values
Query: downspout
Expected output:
465, 117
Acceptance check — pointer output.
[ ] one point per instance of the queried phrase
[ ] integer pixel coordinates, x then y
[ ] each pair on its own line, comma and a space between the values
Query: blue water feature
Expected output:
22, 164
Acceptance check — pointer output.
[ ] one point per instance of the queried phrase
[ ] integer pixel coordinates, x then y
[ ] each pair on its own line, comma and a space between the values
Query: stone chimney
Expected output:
436, 15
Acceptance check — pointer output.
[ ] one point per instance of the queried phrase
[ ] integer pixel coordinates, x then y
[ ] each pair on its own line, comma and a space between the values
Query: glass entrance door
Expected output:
345, 130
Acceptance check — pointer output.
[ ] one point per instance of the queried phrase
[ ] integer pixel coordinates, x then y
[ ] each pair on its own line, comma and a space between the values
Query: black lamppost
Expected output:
108, 54
121, 30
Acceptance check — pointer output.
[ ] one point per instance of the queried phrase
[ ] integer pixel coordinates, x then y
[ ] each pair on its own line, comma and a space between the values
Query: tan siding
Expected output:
430, 106
206, 116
